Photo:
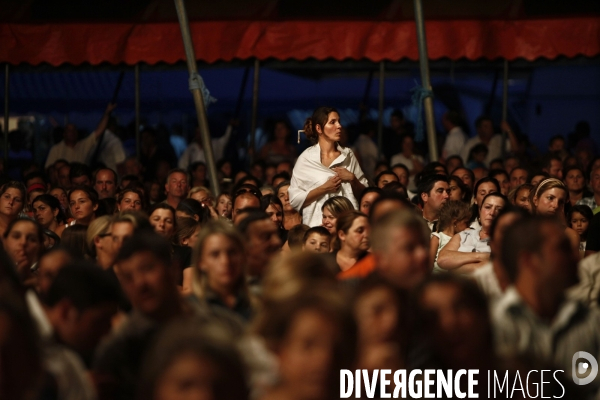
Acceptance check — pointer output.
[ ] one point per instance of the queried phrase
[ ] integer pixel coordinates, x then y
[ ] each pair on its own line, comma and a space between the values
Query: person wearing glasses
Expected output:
325, 169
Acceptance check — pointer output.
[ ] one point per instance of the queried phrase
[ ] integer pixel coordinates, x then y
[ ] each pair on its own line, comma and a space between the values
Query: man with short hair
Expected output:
593, 201
401, 248
75, 314
242, 201
533, 317
385, 177
433, 194
176, 187
552, 164
80, 175
518, 176
263, 243
105, 183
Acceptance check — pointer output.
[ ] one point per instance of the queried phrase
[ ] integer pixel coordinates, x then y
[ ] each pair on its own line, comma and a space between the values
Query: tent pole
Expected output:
138, 151
424, 63
6, 98
381, 95
505, 92
254, 109
195, 88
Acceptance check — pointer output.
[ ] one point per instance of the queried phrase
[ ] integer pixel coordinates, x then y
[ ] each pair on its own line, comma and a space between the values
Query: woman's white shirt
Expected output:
309, 173
470, 241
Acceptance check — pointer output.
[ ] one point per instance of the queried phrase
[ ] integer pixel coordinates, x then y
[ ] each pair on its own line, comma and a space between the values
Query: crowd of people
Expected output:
141, 283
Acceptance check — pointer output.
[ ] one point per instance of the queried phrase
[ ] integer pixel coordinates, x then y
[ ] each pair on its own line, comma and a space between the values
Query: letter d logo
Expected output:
575, 371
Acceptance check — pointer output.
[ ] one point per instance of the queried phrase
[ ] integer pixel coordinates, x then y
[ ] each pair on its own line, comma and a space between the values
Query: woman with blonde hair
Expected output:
218, 272
549, 198
332, 209
99, 242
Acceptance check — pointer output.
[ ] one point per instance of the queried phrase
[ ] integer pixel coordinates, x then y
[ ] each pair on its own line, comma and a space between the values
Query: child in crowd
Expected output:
454, 218
579, 220
317, 240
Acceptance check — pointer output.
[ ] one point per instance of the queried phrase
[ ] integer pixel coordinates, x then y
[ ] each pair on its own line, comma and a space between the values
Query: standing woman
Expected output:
549, 198
12, 199
83, 203
325, 169
48, 213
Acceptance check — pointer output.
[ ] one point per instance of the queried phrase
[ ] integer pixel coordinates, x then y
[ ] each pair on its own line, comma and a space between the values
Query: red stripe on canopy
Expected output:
151, 43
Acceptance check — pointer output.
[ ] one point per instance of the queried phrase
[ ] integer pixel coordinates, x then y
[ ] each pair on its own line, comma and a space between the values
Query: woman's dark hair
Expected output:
319, 117
135, 190
14, 185
91, 193
54, 204
193, 208
495, 194
368, 190
486, 179
11, 225
269, 199
163, 206
185, 229
584, 210
466, 192
282, 184
74, 240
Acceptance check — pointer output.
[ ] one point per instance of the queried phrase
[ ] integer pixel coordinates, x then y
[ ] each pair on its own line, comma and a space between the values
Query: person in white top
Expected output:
325, 169
194, 152
456, 138
454, 217
74, 150
494, 142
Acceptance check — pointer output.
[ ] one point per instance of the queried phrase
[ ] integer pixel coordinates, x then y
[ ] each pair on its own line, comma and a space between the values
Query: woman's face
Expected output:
357, 237
222, 261
11, 202
130, 201
489, 210
376, 314
504, 183
402, 175
224, 206
366, 202
456, 192
191, 241
82, 208
23, 244
306, 355
579, 223
275, 213
537, 179
329, 221
575, 181
163, 222
285, 198
332, 131
43, 214
550, 202
61, 196
522, 199
483, 190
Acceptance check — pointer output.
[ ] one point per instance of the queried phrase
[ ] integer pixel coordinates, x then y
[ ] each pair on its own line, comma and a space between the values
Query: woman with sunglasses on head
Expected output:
325, 169
48, 213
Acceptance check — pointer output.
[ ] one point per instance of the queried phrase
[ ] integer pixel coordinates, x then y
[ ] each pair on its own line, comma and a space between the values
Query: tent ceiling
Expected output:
116, 32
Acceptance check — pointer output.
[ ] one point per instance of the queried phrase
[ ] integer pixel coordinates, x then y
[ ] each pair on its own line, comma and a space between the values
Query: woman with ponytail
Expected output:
325, 169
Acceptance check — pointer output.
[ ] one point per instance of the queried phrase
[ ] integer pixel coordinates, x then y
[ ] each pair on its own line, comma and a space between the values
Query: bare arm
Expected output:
450, 258
433, 248
104, 121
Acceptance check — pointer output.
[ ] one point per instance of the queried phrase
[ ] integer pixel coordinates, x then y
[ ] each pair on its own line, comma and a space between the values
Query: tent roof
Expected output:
116, 32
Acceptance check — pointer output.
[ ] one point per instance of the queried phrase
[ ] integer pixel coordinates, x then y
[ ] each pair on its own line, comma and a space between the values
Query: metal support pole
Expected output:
197, 94
505, 92
138, 150
424, 63
381, 96
6, 93
251, 148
